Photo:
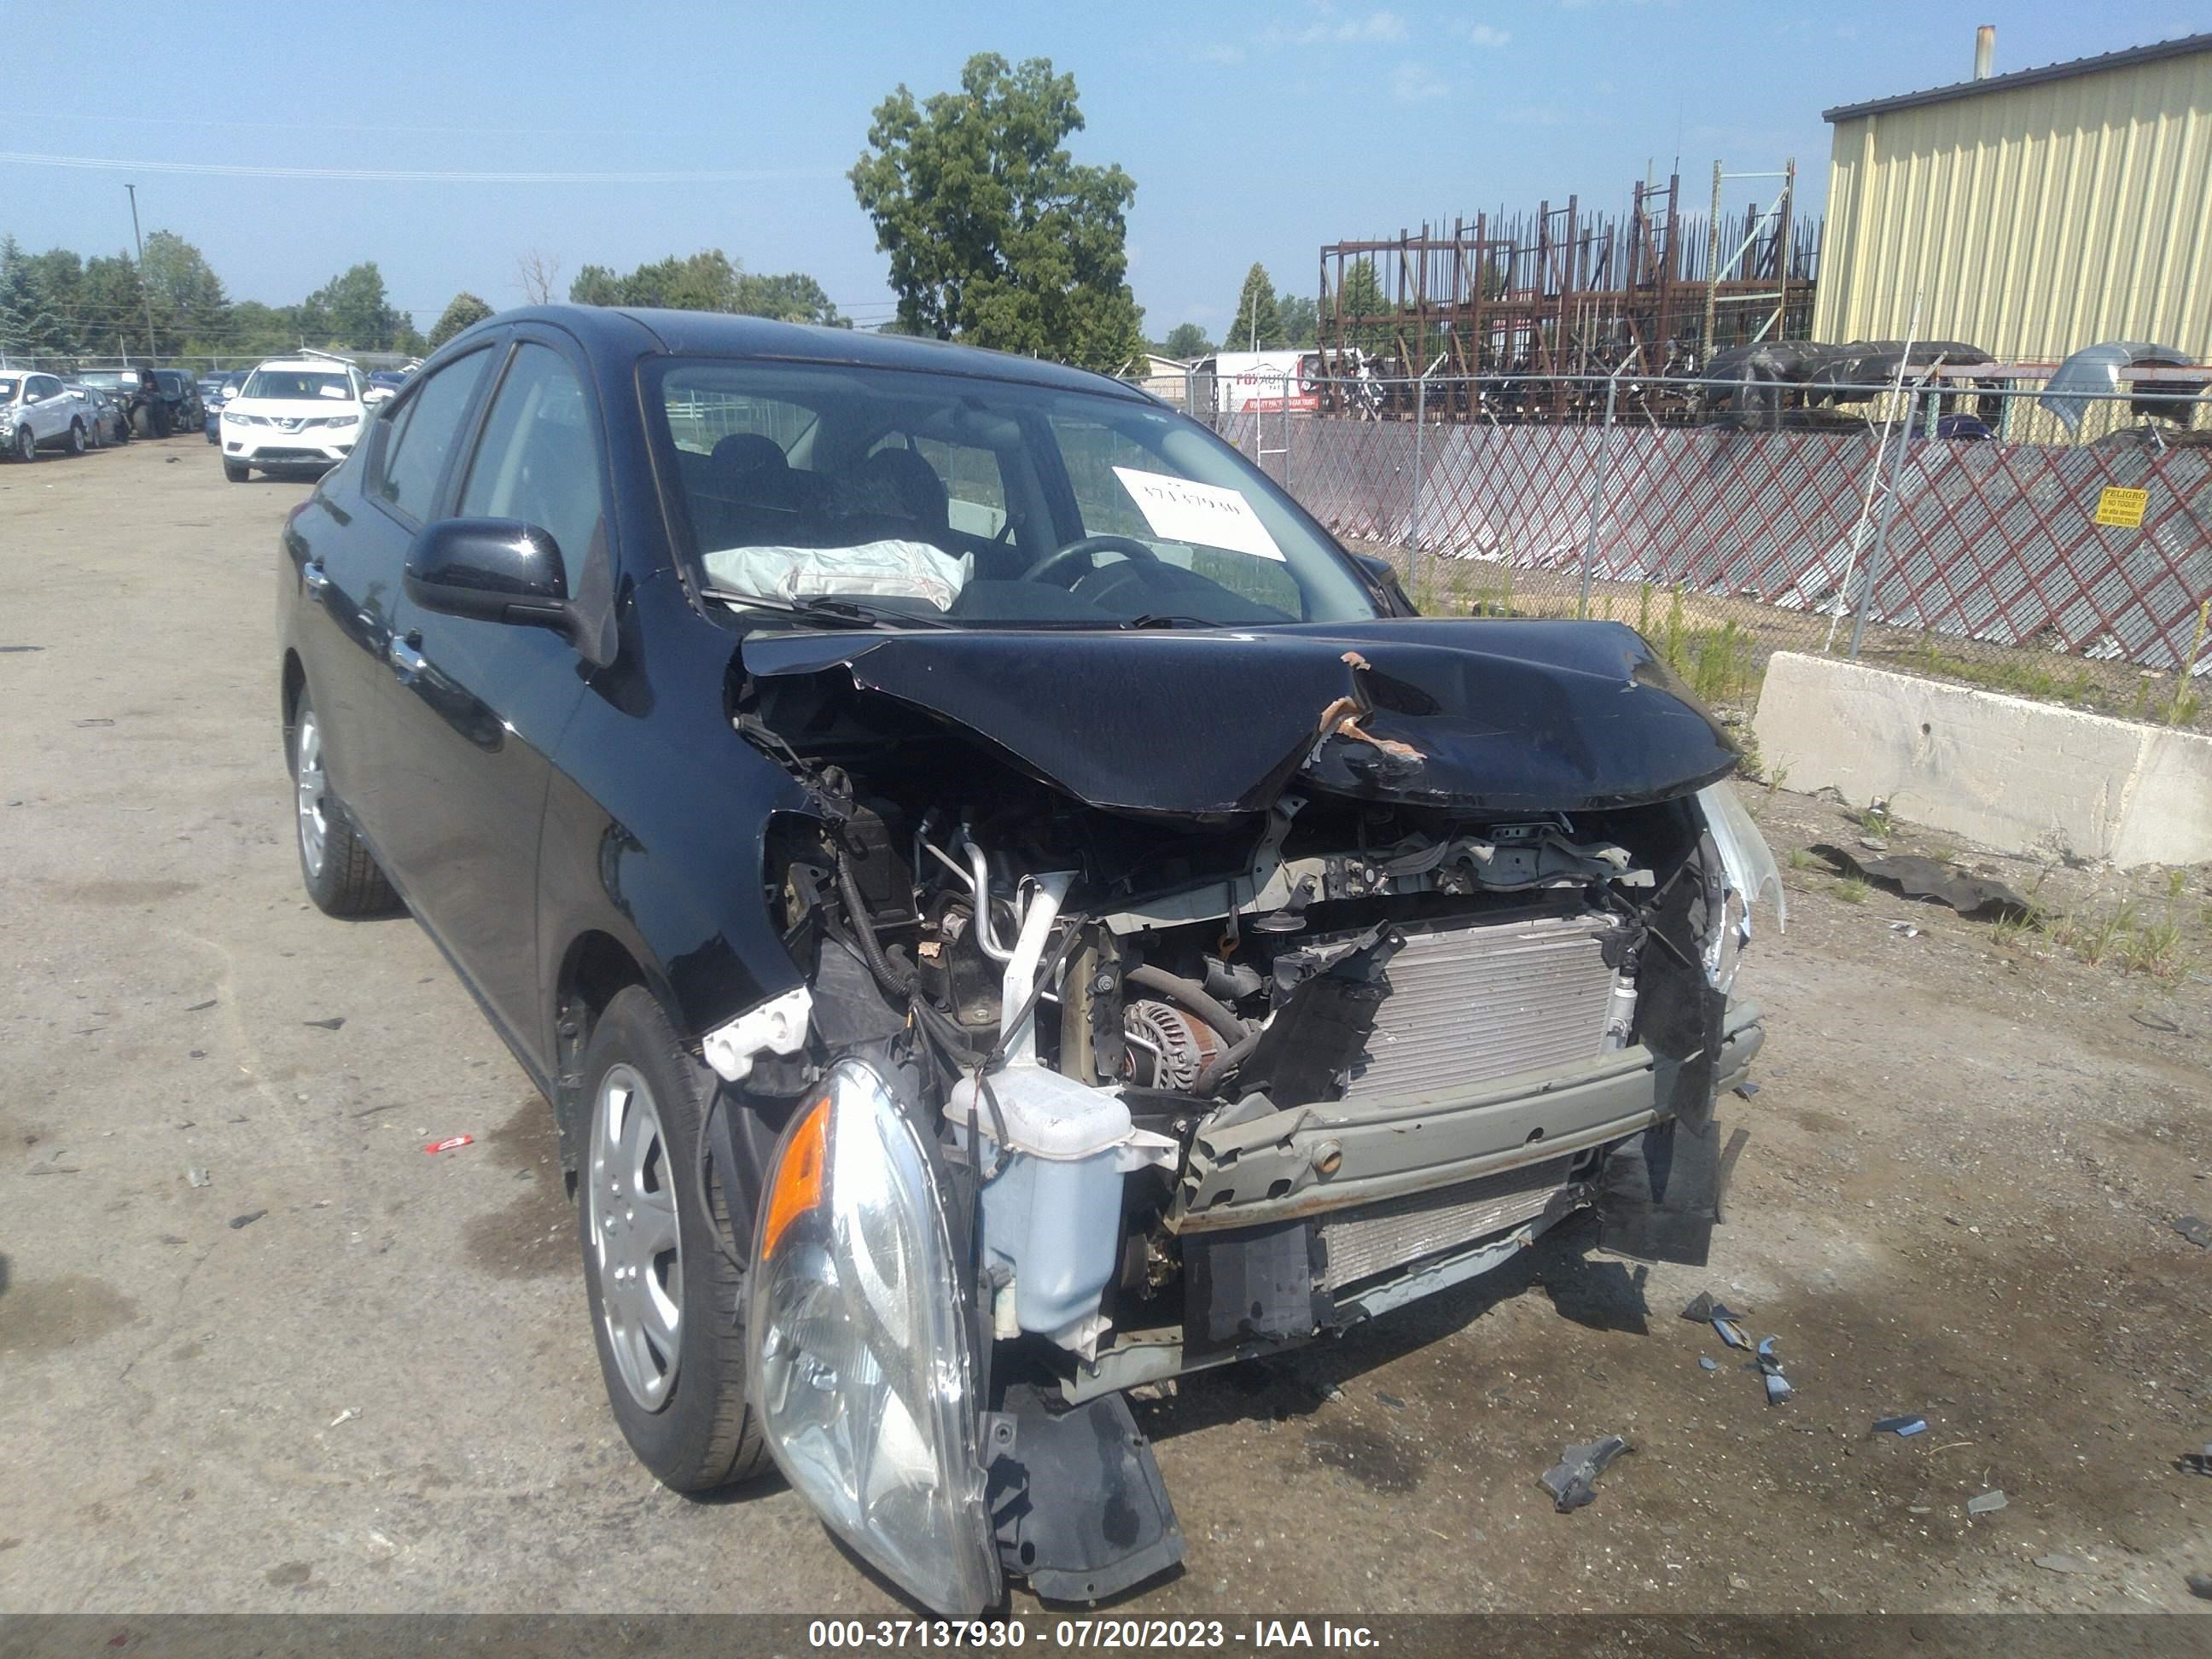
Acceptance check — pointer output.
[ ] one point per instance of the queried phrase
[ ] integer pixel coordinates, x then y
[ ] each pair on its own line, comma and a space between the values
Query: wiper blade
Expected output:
1170, 619
829, 608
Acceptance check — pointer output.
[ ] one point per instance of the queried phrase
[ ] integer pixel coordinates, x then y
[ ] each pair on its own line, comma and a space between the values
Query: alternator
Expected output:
1168, 1043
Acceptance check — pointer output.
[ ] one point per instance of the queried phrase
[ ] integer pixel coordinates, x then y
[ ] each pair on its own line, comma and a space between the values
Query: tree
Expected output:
188, 299
1359, 294
1259, 325
1300, 319
996, 236
463, 311
540, 275
351, 310
1187, 341
708, 280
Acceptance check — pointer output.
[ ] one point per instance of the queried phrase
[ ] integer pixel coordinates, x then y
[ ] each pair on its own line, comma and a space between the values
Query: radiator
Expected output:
1375, 1238
1470, 1004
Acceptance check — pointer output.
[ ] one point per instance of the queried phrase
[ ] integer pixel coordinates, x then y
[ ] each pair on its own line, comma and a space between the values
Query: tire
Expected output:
680, 1405
26, 445
340, 875
76, 445
237, 472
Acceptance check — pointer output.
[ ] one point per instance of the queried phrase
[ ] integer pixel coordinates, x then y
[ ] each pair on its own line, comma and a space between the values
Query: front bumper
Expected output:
284, 448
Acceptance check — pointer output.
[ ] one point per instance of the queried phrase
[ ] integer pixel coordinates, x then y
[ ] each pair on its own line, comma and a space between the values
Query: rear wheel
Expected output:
77, 438
237, 472
665, 1300
340, 875
26, 445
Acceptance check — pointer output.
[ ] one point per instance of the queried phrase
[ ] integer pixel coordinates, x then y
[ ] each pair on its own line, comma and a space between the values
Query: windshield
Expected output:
111, 380
296, 385
937, 494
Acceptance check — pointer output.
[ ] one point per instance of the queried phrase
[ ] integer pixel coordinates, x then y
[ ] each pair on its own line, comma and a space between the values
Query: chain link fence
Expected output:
1978, 533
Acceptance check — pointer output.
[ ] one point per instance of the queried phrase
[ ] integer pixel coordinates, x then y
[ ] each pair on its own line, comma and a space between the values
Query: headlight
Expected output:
1748, 869
342, 420
859, 1361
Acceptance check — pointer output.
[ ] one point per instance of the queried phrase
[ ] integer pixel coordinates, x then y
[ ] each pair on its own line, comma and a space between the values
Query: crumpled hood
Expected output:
1499, 715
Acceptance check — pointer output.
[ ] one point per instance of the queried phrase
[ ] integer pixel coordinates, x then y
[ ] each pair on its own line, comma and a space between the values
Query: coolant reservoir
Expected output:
1052, 1201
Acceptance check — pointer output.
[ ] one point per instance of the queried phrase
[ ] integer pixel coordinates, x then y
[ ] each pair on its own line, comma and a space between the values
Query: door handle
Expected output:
402, 656
314, 575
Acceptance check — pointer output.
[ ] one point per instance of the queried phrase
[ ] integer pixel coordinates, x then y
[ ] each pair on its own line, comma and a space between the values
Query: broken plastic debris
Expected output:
449, 1142
1732, 1334
1704, 1308
2193, 1228
330, 1025
2198, 1462
1905, 928
196, 1176
2200, 1585
1572, 1481
248, 1219
1986, 1503
1769, 1370
2064, 1563
1706, 1364
346, 1416
1902, 1427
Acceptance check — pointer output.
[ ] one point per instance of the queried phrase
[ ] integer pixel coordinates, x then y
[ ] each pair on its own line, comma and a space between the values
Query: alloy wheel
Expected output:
634, 1254
309, 788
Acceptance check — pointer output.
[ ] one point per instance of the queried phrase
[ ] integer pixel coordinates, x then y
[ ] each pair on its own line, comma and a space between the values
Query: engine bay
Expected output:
1104, 1009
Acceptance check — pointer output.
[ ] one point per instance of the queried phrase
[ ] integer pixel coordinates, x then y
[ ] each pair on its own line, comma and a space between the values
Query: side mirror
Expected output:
1384, 576
492, 569
374, 395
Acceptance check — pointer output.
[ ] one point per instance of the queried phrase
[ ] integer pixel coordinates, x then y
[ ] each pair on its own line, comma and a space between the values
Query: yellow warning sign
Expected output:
2123, 508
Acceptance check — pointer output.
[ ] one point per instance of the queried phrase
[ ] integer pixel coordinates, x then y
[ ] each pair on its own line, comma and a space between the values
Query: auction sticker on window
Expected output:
1207, 515
2122, 508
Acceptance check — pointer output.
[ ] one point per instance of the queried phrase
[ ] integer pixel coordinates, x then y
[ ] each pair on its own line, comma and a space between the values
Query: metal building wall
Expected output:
2036, 219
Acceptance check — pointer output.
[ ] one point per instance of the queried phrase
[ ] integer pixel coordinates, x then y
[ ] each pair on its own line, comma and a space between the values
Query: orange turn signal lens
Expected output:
798, 1185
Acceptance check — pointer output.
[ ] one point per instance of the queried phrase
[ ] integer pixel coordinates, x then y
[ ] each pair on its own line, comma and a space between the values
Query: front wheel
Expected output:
665, 1299
237, 472
340, 874
26, 445
77, 438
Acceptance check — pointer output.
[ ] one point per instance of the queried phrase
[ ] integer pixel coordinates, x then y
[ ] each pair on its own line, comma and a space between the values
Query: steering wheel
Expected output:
1085, 550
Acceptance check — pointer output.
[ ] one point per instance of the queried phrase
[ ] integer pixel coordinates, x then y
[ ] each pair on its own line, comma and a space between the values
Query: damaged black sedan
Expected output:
1004, 908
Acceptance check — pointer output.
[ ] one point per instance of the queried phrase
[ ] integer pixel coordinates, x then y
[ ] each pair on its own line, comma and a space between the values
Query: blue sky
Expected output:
1254, 130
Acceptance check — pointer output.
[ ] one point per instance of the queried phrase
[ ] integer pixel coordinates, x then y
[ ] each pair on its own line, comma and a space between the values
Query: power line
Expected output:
102, 118
414, 175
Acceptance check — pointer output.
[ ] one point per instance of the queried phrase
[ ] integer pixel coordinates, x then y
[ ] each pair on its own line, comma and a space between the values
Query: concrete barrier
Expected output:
2016, 775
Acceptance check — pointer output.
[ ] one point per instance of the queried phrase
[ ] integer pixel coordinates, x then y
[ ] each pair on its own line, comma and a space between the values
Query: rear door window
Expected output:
420, 434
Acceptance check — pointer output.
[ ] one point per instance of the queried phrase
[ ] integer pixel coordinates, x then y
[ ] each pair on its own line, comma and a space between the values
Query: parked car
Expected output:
1004, 909
160, 401
37, 411
384, 383
293, 413
226, 389
107, 417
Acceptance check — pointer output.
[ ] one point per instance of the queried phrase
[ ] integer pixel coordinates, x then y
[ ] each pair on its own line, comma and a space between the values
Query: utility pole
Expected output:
144, 292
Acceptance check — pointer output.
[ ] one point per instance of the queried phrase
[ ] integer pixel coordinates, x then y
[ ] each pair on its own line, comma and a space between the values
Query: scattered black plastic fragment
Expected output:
1572, 1481
1930, 878
1902, 1427
248, 1219
2193, 1228
332, 1024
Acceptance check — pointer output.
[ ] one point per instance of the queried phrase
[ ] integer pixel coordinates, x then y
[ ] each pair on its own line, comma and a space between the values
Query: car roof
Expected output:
303, 364
717, 334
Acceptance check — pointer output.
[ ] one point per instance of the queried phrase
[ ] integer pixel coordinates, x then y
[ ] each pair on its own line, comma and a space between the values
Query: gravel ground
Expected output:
347, 1375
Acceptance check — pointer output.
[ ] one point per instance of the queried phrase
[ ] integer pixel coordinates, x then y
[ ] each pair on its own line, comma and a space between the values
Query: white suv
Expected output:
38, 409
297, 412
